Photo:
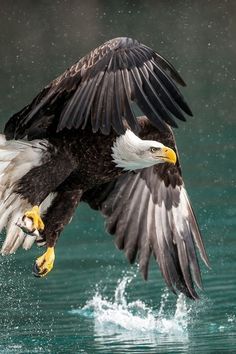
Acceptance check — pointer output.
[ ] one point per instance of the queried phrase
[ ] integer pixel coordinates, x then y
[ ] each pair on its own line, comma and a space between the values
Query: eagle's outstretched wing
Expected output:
100, 89
149, 212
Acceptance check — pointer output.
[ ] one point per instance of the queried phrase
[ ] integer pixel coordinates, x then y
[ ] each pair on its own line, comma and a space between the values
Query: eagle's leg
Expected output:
58, 215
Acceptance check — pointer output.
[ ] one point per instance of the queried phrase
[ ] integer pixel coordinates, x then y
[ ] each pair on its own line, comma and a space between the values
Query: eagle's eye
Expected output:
154, 149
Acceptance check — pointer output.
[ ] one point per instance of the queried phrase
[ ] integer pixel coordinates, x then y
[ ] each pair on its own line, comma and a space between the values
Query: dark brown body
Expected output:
73, 161
81, 160
75, 165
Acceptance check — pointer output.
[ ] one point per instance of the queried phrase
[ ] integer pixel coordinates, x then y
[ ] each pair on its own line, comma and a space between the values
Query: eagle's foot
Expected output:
44, 264
31, 222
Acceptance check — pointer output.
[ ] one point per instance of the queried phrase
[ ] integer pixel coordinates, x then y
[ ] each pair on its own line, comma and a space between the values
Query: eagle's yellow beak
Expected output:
168, 155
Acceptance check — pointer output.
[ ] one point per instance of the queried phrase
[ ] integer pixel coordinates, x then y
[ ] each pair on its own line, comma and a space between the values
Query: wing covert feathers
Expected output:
101, 88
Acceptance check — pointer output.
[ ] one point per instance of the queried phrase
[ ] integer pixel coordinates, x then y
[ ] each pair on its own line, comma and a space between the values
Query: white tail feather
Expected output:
17, 157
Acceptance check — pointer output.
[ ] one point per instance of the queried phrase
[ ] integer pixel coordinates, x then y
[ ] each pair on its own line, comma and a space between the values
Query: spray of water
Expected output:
135, 320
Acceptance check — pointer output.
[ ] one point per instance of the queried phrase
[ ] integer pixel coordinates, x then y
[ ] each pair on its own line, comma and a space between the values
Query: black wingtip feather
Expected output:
166, 65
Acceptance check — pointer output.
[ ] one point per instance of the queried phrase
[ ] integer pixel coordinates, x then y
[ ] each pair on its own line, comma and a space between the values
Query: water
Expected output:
118, 321
93, 301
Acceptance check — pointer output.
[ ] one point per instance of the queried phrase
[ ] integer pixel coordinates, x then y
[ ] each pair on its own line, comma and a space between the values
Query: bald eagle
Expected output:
80, 140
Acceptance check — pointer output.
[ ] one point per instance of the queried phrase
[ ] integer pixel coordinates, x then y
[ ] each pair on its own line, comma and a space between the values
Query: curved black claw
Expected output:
36, 270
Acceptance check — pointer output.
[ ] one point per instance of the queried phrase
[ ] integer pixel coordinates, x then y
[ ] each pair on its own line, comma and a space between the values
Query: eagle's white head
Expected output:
132, 153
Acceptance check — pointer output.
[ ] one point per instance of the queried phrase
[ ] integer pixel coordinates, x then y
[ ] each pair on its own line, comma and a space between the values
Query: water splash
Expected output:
135, 320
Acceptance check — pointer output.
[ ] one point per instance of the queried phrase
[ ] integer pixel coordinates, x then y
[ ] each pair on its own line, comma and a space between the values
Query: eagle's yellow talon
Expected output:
34, 215
44, 263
